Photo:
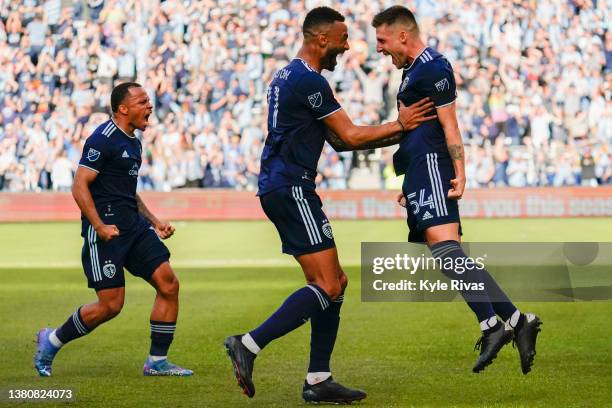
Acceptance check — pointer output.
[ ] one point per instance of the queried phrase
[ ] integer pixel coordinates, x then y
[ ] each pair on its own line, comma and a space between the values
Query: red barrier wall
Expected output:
237, 205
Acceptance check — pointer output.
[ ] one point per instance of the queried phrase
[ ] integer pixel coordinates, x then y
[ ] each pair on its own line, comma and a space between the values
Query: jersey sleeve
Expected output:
95, 153
316, 95
440, 85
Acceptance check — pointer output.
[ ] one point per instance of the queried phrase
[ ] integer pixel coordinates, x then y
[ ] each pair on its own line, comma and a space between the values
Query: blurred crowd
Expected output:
534, 87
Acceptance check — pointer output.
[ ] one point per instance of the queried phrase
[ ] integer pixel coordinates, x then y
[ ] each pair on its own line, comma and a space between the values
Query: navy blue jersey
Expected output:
429, 75
116, 157
298, 98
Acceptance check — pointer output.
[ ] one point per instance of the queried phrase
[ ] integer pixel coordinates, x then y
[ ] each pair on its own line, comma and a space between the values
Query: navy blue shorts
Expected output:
137, 249
299, 219
426, 188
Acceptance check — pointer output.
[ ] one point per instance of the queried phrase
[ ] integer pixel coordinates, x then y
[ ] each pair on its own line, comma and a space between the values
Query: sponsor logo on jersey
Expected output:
442, 85
427, 216
315, 100
125, 155
134, 170
109, 269
93, 154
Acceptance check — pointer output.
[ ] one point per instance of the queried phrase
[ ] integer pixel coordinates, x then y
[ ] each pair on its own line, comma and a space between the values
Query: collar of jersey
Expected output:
416, 58
117, 126
305, 64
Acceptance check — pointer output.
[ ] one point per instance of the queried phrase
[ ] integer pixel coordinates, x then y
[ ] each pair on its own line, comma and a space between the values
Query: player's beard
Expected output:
330, 60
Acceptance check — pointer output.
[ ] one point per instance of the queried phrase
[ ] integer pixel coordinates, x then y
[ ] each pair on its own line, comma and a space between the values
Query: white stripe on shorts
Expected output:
440, 187
301, 210
309, 215
436, 198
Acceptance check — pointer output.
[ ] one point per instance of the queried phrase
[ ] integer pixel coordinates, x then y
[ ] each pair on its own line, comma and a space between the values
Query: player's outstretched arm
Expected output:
80, 191
345, 135
163, 229
448, 118
340, 145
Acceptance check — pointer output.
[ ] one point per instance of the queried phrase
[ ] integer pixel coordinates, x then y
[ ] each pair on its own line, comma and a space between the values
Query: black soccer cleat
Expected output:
331, 392
242, 363
489, 344
525, 338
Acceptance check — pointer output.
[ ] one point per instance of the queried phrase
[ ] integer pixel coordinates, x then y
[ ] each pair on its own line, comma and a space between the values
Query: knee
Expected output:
343, 281
170, 288
333, 289
111, 308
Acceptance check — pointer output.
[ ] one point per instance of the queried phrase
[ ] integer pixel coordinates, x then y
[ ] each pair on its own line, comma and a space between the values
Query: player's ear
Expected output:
123, 109
323, 40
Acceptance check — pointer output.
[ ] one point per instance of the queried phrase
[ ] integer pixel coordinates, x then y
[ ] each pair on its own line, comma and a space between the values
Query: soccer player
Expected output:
432, 159
301, 109
118, 231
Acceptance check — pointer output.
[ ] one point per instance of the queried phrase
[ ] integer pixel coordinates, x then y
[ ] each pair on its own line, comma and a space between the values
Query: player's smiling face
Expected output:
337, 44
139, 108
391, 40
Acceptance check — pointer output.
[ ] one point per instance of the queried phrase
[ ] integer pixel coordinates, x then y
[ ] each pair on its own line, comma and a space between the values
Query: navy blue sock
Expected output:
293, 313
324, 325
501, 304
73, 328
162, 334
477, 300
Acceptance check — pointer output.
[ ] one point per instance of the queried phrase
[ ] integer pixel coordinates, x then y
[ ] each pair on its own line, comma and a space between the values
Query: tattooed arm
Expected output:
348, 136
340, 145
448, 118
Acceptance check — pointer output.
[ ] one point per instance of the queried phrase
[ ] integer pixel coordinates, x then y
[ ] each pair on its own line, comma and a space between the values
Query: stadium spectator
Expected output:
534, 82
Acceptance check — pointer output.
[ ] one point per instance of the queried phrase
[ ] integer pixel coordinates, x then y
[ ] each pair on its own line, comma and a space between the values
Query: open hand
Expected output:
412, 116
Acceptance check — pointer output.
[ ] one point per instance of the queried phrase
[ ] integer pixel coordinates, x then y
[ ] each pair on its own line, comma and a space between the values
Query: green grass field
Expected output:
233, 275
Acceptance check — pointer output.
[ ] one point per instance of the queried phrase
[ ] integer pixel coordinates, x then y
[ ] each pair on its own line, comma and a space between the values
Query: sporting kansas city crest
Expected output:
442, 85
109, 269
315, 100
93, 155
327, 229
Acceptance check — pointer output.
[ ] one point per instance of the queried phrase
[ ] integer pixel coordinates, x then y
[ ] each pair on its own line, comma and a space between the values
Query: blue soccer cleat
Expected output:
164, 368
45, 353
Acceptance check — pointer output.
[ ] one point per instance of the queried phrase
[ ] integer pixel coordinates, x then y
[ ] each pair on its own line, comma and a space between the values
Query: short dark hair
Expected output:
119, 93
396, 14
319, 16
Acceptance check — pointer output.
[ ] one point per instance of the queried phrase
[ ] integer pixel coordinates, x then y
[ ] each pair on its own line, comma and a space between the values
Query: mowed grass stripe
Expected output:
402, 354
